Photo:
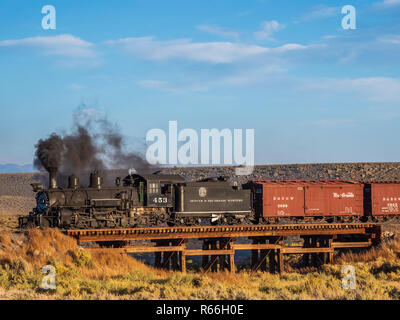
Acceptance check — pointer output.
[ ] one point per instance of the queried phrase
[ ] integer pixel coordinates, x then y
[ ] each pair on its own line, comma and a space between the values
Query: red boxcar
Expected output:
307, 199
385, 198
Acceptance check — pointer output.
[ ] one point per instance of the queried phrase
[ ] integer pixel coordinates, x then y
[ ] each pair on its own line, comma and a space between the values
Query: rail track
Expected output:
219, 247
217, 231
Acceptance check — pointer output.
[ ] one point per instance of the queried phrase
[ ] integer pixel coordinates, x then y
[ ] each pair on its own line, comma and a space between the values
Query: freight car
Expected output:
144, 200
382, 199
331, 201
307, 200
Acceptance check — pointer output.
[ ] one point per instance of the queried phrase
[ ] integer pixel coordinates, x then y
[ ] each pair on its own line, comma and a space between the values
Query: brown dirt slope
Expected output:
16, 196
16, 184
15, 205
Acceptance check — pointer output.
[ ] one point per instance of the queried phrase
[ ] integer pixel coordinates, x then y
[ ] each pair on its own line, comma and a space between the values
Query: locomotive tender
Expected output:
147, 200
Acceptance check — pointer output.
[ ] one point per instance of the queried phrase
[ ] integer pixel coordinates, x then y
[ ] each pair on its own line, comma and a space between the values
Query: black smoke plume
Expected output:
94, 143
49, 152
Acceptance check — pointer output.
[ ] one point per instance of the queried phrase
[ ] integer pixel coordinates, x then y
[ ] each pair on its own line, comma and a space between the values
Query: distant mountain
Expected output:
13, 167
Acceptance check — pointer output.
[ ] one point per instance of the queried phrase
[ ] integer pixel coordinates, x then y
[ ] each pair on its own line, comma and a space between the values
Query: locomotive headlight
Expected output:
42, 202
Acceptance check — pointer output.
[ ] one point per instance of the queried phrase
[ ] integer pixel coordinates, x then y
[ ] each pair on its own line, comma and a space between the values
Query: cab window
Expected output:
153, 187
165, 188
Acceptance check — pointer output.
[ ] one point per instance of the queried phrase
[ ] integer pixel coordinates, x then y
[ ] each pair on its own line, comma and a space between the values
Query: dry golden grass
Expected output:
388, 250
37, 247
81, 274
8, 223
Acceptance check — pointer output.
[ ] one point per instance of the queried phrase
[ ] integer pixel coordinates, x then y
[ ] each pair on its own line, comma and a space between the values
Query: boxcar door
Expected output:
314, 201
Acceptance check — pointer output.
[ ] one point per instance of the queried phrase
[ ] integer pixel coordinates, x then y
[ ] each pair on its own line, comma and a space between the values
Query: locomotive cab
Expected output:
154, 190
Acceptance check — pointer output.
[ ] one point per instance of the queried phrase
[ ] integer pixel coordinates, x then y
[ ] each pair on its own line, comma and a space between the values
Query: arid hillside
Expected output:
16, 196
379, 171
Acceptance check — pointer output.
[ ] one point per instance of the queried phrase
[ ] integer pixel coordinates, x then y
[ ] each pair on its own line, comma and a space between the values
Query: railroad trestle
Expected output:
269, 243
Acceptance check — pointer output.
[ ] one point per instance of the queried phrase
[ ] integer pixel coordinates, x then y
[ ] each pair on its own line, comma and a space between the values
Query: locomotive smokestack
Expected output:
95, 180
73, 181
52, 178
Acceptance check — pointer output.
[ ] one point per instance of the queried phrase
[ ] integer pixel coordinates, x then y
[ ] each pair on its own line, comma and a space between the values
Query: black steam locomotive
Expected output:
138, 200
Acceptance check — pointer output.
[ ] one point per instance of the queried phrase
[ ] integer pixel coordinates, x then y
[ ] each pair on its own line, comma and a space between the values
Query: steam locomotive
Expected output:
147, 200
138, 200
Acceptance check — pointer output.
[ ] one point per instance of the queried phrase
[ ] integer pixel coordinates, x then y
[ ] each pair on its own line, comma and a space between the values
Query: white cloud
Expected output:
389, 3
226, 33
64, 45
267, 29
210, 52
248, 77
392, 39
290, 47
377, 89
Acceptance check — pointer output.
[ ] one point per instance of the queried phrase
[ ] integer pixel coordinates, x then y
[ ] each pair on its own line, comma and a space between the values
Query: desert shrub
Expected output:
81, 258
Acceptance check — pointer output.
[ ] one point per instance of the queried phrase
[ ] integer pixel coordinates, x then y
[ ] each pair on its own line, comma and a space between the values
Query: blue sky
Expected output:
312, 91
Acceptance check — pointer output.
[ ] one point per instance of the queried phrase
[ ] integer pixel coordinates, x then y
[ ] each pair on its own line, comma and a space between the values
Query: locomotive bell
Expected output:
95, 180
73, 181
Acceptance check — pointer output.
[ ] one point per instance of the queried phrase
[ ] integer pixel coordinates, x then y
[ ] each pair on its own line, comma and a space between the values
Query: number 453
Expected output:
160, 200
